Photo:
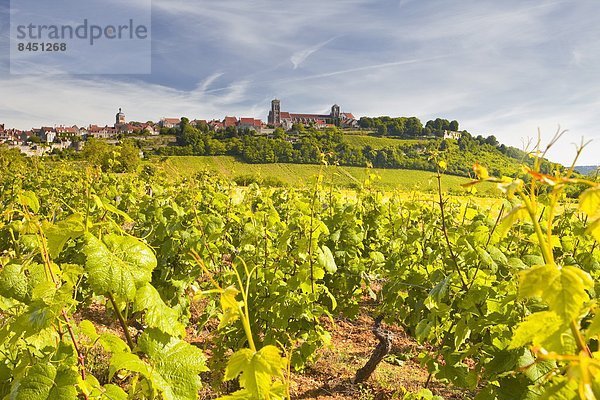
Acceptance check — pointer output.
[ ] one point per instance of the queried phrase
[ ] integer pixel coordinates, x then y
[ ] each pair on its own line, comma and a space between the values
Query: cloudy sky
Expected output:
503, 68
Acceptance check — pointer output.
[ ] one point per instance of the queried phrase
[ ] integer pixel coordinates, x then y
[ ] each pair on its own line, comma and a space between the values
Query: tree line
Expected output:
407, 127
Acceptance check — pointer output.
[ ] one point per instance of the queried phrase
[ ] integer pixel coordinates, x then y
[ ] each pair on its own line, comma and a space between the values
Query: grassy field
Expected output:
377, 142
300, 174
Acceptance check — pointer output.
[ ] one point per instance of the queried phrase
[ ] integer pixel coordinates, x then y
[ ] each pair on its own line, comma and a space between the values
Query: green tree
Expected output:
413, 126
190, 136
128, 157
298, 128
183, 123
96, 151
279, 133
492, 141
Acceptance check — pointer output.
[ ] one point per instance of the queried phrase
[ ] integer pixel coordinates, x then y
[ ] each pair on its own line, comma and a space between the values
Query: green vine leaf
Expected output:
437, 293
543, 329
127, 361
256, 371
14, 283
43, 312
174, 365
58, 234
563, 289
92, 388
19, 282
118, 264
589, 203
30, 200
157, 313
46, 382
325, 259
230, 306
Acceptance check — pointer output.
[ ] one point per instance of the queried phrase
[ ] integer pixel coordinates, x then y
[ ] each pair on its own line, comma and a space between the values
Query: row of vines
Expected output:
504, 299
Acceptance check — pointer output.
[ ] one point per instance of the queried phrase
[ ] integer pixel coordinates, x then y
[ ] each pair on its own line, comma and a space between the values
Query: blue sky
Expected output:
502, 68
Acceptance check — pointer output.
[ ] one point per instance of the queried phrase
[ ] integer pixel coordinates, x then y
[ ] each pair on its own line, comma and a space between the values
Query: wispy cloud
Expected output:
209, 81
300, 56
364, 68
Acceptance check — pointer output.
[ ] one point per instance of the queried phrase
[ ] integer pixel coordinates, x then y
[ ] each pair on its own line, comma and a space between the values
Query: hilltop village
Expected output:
37, 141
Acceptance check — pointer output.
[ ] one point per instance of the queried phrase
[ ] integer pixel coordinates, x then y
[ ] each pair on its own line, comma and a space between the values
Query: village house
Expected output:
196, 122
12, 137
26, 135
230, 121
47, 134
67, 132
250, 124
452, 135
101, 132
216, 125
169, 122
83, 131
150, 129
128, 129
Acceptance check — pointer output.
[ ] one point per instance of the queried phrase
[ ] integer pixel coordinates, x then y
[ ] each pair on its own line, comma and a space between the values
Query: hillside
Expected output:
299, 175
460, 155
375, 142
307, 145
587, 169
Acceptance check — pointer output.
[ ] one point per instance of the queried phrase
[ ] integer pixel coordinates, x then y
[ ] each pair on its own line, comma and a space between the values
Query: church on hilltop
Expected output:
334, 118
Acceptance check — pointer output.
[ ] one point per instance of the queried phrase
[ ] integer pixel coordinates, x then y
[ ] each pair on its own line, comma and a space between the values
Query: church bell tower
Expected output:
120, 119
275, 113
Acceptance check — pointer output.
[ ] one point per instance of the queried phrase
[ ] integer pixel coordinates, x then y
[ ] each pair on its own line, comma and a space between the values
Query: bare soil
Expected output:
330, 376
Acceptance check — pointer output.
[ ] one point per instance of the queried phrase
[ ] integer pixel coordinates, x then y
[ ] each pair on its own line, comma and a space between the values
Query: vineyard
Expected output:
502, 301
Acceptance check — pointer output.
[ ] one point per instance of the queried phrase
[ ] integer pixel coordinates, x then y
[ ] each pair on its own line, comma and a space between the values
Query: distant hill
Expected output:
459, 155
587, 169
399, 149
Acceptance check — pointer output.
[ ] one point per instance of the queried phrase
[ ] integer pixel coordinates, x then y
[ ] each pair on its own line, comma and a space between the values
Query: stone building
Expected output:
287, 119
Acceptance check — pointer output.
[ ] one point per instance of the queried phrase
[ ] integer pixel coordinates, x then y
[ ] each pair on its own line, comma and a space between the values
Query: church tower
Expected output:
120, 119
275, 113
335, 111
335, 114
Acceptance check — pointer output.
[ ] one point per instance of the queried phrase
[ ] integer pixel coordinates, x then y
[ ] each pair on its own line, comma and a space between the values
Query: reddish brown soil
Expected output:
352, 343
330, 376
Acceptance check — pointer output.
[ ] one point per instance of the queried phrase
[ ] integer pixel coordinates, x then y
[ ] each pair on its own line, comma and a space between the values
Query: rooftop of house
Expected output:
230, 121
67, 129
309, 116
